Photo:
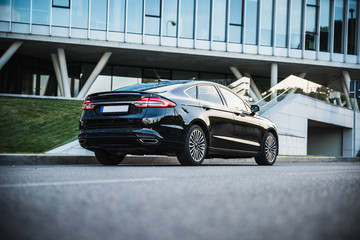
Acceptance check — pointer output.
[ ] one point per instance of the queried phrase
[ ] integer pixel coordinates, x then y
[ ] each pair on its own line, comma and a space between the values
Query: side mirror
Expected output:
255, 109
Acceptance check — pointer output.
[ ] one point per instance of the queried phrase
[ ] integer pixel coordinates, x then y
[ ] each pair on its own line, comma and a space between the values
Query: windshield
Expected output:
151, 87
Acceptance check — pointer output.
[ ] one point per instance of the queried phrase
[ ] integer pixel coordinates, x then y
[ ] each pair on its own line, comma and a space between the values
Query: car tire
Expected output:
106, 158
195, 147
269, 150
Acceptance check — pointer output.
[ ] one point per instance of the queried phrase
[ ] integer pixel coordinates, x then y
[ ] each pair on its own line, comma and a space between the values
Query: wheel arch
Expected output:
204, 127
274, 132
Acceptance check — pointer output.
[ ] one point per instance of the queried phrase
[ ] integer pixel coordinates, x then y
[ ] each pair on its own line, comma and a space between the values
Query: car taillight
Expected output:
87, 104
153, 102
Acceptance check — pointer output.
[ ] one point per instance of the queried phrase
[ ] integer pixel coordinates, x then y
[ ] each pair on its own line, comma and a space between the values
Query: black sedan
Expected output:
193, 120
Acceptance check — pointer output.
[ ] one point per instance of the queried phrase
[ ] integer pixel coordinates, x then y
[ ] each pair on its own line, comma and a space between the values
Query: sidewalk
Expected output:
59, 159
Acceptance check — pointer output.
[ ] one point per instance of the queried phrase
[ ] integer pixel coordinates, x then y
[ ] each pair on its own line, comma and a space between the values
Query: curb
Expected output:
52, 159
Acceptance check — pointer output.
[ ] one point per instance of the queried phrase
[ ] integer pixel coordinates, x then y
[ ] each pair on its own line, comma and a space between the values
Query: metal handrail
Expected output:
272, 100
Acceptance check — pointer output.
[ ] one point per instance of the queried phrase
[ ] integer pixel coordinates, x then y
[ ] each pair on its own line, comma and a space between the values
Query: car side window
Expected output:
191, 92
233, 100
209, 94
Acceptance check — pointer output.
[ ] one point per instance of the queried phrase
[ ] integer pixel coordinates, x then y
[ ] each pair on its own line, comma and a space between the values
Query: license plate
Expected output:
115, 109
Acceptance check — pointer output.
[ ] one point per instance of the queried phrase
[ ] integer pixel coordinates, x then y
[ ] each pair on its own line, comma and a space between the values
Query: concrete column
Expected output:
253, 87
274, 78
55, 61
95, 73
346, 88
236, 72
9, 53
64, 73
302, 75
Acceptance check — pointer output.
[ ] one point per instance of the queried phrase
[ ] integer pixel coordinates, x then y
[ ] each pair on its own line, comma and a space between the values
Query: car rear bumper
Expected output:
129, 141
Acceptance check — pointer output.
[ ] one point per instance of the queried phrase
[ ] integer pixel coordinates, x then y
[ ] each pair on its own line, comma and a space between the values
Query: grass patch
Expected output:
37, 125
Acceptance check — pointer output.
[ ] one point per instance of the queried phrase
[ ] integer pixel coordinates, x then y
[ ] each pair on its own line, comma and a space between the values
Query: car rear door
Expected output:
220, 119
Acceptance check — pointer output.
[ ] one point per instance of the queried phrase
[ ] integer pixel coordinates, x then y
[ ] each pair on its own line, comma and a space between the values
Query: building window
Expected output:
21, 11
80, 14
324, 25
152, 17
98, 14
251, 21
187, 19
338, 26
60, 16
61, 3
266, 22
152, 74
125, 76
352, 26
281, 23
236, 21
40, 12
103, 80
203, 19
170, 15
219, 22
117, 15
135, 16
4, 10
295, 28
311, 25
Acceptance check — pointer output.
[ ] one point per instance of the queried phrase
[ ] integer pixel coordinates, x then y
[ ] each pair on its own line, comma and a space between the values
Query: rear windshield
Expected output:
151, 87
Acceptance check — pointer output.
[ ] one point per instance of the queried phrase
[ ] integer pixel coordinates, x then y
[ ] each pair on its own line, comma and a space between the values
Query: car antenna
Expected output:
158, 77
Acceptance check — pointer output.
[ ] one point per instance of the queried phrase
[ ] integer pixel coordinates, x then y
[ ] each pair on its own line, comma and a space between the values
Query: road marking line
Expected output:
304, 173
14, 185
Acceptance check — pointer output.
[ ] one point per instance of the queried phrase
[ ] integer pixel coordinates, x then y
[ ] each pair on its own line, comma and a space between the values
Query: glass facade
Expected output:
281, 22
20, 11
134, 16
117, 15
311, 25
187, 18
40, 12
98, 14
298, 24
325, 25
219, 23
203, 19
266, 23
236, 21
80, 14
170, 15
152, 17
338, 26
352, 26
251, 24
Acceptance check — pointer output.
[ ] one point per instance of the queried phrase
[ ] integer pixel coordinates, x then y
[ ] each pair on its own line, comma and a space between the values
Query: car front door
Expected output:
247, 132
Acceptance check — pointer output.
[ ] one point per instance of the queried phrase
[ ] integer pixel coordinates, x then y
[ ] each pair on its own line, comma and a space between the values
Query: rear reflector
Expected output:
87, 104
154, 102
144, 135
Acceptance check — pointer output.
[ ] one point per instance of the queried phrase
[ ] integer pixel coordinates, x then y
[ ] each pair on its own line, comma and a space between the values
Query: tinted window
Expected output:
155, 86
233, 100
191, 92
209, 94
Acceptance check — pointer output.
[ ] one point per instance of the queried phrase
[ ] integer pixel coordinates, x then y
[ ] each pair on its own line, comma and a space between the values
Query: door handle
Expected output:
237, 113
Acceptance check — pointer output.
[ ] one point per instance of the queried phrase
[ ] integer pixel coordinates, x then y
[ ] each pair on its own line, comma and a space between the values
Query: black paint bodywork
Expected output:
230, 133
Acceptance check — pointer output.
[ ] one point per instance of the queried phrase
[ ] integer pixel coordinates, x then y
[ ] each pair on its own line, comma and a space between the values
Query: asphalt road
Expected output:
285, 201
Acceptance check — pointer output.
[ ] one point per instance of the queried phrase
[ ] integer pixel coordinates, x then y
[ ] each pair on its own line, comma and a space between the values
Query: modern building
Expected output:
70, 48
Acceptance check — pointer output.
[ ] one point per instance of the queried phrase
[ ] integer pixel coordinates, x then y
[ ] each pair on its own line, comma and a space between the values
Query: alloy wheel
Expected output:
197, 145
270, 148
